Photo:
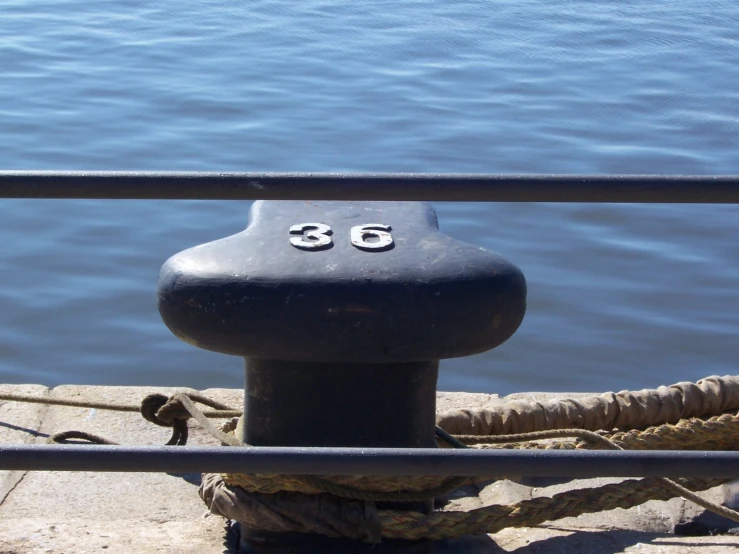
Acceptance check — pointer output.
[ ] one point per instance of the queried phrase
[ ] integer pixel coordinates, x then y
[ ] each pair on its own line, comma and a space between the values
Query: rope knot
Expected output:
163, 410
167, 412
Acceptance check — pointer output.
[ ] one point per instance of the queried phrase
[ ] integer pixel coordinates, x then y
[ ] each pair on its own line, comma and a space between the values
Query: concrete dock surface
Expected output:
84, 512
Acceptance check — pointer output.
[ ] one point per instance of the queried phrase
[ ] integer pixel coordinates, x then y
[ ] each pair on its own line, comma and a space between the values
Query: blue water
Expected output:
620, 296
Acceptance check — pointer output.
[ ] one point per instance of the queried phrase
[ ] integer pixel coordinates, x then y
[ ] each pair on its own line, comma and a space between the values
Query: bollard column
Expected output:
342, 311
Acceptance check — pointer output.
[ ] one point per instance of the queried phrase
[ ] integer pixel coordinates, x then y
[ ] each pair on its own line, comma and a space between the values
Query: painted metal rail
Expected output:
370, 461
699, 189
396, 187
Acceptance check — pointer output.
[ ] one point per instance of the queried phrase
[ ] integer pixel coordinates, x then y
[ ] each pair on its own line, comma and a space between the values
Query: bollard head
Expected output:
352, 282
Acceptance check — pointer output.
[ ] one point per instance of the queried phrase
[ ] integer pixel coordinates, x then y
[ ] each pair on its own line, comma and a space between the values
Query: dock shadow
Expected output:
191, 478
603, 542
231, 537
32, 432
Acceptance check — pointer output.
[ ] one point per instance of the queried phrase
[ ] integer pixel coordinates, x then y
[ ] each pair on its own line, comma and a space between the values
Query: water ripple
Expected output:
620, 296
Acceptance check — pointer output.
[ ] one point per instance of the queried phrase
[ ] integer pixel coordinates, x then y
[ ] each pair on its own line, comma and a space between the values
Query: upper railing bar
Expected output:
699, 189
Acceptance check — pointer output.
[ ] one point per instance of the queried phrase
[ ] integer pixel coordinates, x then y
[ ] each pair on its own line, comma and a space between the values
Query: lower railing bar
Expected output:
371, 461
334, 186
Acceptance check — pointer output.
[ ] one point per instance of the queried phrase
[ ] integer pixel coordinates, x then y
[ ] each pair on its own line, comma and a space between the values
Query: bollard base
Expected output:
319, 404
263, 542
324, 404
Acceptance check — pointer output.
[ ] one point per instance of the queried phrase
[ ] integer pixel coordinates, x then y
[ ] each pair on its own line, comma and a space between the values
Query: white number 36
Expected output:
317, 236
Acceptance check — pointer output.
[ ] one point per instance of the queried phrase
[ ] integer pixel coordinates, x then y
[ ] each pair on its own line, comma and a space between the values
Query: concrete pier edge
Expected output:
79, 512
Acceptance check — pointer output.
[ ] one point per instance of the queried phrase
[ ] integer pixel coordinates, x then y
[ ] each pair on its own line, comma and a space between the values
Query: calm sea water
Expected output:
620, 296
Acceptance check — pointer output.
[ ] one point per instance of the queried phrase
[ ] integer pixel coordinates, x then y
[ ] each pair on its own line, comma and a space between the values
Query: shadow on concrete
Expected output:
678, 544
192, 478
231, 538
603, 542
477, 544
707, 524
26, 430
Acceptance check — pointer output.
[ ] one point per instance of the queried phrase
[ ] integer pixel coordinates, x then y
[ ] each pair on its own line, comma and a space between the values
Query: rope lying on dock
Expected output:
683, 416
624, 410
234, 496
245, 497
720, 432
157, 408
528, 513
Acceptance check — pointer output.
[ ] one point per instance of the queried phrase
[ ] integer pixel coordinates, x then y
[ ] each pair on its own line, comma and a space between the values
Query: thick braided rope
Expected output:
528, 513
720, 432
343, 491
422, 485
357, 487
385, 488
623, 410
297, 483
600, 441
532, 512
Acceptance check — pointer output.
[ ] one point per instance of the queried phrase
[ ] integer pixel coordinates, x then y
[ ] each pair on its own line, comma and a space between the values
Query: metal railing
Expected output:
376, 461
702, 189
371, 461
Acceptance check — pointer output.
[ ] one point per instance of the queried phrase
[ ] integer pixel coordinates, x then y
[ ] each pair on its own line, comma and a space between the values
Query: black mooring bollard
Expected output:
342, 311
